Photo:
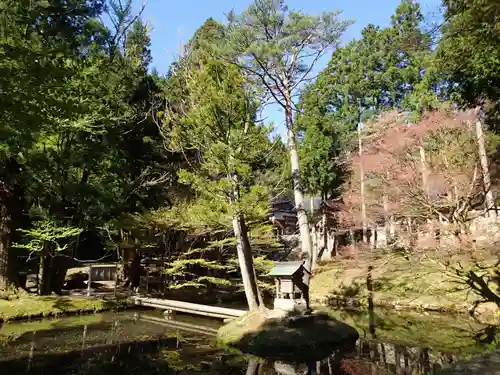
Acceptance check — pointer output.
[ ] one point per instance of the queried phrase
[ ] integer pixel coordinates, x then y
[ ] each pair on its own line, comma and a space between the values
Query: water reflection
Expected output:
372, 357
147, 344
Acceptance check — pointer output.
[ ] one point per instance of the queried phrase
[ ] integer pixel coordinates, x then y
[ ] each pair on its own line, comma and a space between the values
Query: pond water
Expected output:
144, 342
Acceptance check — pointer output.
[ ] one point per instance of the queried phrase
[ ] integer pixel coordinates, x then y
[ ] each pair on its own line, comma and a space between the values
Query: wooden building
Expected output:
288, 278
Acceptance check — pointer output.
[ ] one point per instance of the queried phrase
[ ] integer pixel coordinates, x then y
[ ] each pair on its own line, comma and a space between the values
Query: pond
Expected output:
144, 342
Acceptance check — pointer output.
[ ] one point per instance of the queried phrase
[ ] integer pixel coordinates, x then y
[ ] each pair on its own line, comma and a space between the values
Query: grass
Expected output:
38, 307
397, 282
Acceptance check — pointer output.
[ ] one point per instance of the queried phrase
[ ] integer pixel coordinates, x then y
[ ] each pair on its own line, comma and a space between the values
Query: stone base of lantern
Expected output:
287, 304
289, 369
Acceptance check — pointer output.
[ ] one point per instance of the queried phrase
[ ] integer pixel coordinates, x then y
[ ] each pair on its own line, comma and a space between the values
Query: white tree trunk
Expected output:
314, 242
245, 260
362, 186
324, 234
303, 221
490, 202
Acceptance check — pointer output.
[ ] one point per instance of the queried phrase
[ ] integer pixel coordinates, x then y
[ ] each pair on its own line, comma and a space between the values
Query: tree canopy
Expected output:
101, 156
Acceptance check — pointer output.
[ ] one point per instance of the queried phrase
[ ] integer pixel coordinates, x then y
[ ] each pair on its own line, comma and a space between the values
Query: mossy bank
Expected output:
395, 282
33, 307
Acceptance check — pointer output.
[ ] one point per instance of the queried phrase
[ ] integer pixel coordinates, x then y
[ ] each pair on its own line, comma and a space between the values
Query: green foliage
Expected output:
469, 53
382, 70
177, 266
278, 46
323, 156
77, 125
36, 55
210, 259
97, 144
85, 148
47, 235
387, 68
220, 126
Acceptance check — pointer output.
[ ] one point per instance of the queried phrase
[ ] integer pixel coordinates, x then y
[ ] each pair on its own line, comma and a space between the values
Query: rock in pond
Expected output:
293, 337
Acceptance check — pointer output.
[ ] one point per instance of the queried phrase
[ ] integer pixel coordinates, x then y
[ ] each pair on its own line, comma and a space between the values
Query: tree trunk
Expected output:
44, 274
60, 266
11, 208
490, 203
315, 244
7, 261
362, 185
425, 173
4, 249
253, 367
305, 235
387, 219
245, 260
325, 234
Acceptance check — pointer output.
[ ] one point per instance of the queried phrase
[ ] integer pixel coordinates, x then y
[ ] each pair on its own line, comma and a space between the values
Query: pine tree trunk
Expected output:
245, 261
303, 221
5, 229
490, 203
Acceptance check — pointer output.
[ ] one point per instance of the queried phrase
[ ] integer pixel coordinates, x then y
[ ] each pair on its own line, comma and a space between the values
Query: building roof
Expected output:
287, 204
285, 268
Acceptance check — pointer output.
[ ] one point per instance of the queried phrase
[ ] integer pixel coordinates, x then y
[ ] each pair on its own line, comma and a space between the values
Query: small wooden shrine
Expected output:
289, 283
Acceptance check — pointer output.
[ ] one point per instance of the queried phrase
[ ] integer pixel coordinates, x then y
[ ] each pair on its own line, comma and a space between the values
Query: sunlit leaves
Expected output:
469, 50
46, 234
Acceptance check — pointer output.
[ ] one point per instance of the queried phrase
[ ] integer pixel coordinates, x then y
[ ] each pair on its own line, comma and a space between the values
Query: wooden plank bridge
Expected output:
189, 308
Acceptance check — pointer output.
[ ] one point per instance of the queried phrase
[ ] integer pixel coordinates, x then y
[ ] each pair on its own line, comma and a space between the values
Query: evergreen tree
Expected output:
39, 41
220, 125
89, 148
469, 53
278, 48
386, 69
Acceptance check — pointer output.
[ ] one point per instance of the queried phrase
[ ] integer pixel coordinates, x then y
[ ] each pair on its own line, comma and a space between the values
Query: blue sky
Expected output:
173, 21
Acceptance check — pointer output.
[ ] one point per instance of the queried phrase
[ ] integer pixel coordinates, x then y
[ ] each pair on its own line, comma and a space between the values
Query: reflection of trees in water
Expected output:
399, 359
87, 350
375, 358
166, 357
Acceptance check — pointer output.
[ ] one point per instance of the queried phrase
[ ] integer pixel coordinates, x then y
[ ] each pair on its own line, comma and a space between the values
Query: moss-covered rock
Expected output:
294, 337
